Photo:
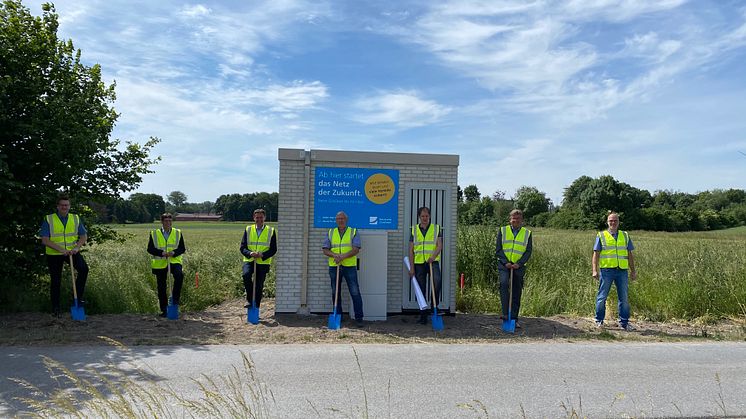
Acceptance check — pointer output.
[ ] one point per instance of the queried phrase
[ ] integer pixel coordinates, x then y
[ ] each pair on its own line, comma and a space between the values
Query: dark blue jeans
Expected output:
349, 273
606, 278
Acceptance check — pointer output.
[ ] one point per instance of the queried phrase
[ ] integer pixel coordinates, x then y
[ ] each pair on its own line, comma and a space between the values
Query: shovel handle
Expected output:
72, 275
253, 287
510, 293
432, 285
336, 292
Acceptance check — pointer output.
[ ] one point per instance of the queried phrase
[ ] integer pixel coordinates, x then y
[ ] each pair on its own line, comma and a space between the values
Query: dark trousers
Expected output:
517, 291
54, 263
422, 273
161, 278
261, 274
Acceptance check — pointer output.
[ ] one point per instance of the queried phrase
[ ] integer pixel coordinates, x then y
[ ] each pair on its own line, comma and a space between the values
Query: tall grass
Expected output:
121, 280
131, 392
680, 275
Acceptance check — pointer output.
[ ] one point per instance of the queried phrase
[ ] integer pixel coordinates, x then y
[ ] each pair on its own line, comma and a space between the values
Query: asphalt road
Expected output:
427, 380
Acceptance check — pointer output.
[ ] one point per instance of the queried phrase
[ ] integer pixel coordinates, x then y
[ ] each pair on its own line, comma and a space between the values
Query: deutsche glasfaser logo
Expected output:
373, 220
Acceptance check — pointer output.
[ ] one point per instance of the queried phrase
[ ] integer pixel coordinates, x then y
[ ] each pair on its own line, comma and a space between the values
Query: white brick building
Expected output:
301, 268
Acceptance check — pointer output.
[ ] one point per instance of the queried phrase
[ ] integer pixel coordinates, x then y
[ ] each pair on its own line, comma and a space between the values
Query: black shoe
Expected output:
359, 323
163, 314
423, 319
56, 313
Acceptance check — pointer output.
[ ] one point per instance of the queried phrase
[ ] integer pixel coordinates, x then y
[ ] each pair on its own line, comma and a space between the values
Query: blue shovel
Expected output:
172, 311
509, 324
77, 311
252, 313
335, 319
437, 319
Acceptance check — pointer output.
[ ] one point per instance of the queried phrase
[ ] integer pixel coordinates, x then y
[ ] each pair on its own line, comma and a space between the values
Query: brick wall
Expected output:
413, 169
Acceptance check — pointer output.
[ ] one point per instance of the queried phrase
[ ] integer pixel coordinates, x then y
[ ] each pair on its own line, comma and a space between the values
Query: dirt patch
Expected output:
226, 324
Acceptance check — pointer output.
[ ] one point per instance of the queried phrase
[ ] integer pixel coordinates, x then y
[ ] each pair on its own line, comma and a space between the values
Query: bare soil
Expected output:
226, 324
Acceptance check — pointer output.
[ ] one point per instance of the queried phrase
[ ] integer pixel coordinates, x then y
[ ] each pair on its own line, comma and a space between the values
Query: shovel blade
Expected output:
509, 325
437, 321
335, 321
77, 311
252, 315
172, 312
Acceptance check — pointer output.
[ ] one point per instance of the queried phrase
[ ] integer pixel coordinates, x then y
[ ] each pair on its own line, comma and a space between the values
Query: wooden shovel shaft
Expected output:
72, 275
168, 277
432, 285
510, 294
253, 287
336, 292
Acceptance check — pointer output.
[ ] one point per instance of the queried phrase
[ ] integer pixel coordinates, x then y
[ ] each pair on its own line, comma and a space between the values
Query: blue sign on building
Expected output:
369, 197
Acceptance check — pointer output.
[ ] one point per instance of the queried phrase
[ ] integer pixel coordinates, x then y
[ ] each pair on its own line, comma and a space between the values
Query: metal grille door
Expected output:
436, 198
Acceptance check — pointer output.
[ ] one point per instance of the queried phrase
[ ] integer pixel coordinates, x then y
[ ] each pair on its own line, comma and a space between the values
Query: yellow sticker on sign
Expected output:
379, 188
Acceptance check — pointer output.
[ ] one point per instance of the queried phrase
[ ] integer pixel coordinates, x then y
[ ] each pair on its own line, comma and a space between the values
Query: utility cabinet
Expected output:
372, 276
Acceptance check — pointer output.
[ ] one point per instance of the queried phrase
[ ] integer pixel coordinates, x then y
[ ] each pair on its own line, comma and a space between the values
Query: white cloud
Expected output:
403, 109
295, 96
195, 11
614, 10
539, 57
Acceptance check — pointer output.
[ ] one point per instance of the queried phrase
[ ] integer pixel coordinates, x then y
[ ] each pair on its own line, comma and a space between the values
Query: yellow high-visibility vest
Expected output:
160, 242
258, 243
424, 246
342, 244
614, 253
64, 235
514, 246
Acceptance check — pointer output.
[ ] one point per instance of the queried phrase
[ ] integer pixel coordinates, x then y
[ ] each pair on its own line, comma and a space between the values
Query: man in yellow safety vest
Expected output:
63, 234
612, 252
514, 247
258, 245
341, 245
166, 245
425, 246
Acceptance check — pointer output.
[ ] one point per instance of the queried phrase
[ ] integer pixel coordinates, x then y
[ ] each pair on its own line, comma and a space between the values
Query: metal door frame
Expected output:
437, 197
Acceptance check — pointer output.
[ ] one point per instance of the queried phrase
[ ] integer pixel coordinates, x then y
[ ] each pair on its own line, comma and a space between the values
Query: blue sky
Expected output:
531, 93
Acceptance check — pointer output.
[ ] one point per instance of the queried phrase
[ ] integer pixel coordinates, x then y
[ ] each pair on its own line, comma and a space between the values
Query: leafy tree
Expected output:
153, 204
206, 207
606, 193
237, 207
177, 199
571, 198
570, 218
531, 201
459, 194
498, 195
478, 213
472, 194
56, 119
